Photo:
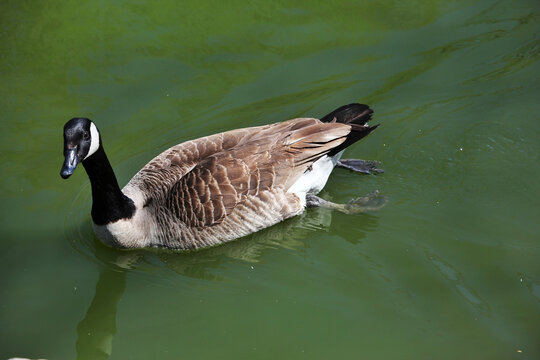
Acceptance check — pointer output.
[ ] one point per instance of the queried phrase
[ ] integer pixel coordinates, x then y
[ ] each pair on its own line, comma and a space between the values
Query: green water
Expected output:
449, 269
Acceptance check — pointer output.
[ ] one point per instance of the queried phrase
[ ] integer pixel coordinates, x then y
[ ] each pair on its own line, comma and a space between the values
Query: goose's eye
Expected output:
86, 135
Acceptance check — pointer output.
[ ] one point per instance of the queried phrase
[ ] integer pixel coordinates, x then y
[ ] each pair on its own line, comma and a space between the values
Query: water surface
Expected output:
449, 269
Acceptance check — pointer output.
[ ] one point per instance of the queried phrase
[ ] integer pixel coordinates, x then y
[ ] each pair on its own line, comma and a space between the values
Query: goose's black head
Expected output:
81, 140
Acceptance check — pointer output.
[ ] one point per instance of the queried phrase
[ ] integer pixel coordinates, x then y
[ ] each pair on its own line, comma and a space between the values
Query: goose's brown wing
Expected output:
219, 183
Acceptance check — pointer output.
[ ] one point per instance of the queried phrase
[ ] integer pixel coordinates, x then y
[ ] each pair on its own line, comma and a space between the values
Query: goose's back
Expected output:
220, 187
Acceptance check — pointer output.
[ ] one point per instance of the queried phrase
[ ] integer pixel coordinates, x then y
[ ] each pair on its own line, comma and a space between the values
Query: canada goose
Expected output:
221, 187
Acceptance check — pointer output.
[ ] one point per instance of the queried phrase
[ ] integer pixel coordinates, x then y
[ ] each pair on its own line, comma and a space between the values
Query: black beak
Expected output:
70, 163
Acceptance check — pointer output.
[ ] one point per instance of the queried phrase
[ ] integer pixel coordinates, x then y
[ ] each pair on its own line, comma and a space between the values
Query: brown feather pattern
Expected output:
217, 188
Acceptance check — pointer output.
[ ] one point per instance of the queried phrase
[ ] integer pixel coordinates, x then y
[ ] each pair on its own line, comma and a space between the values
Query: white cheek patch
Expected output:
94, 140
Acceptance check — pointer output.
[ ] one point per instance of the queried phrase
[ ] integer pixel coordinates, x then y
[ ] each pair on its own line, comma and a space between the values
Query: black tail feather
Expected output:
356, 115
350, 114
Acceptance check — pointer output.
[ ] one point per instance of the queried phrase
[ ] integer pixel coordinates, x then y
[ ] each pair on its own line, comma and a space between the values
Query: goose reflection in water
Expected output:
96, 331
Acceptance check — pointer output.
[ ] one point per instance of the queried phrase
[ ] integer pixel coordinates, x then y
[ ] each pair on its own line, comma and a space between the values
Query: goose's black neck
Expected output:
109, 204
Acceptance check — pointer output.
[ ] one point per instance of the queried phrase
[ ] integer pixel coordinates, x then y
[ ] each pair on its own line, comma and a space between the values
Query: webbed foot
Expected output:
371, 202
361, 166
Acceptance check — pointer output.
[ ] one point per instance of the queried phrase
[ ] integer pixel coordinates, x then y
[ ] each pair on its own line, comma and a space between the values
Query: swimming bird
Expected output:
217, 188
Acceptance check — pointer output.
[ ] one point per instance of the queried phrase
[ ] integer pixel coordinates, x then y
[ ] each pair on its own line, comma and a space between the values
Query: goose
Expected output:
218, 188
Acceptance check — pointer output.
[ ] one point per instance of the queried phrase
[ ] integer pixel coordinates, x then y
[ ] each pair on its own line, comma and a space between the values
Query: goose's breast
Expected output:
131, 232
126, 233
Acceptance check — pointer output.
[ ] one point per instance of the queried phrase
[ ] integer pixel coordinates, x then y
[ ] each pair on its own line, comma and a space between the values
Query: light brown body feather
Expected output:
217, 188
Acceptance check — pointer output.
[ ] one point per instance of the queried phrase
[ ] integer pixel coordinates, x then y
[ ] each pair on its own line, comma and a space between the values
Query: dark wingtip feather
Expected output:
355, 115
350, 114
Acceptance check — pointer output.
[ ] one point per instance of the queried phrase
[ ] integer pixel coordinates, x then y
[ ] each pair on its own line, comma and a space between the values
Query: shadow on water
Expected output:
95, 332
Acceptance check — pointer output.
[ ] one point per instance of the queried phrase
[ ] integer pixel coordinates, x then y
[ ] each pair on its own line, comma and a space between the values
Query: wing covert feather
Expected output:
251, 161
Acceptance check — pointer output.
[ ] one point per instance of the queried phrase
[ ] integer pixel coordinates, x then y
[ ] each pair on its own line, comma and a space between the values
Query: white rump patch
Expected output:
313, 181
94, 140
